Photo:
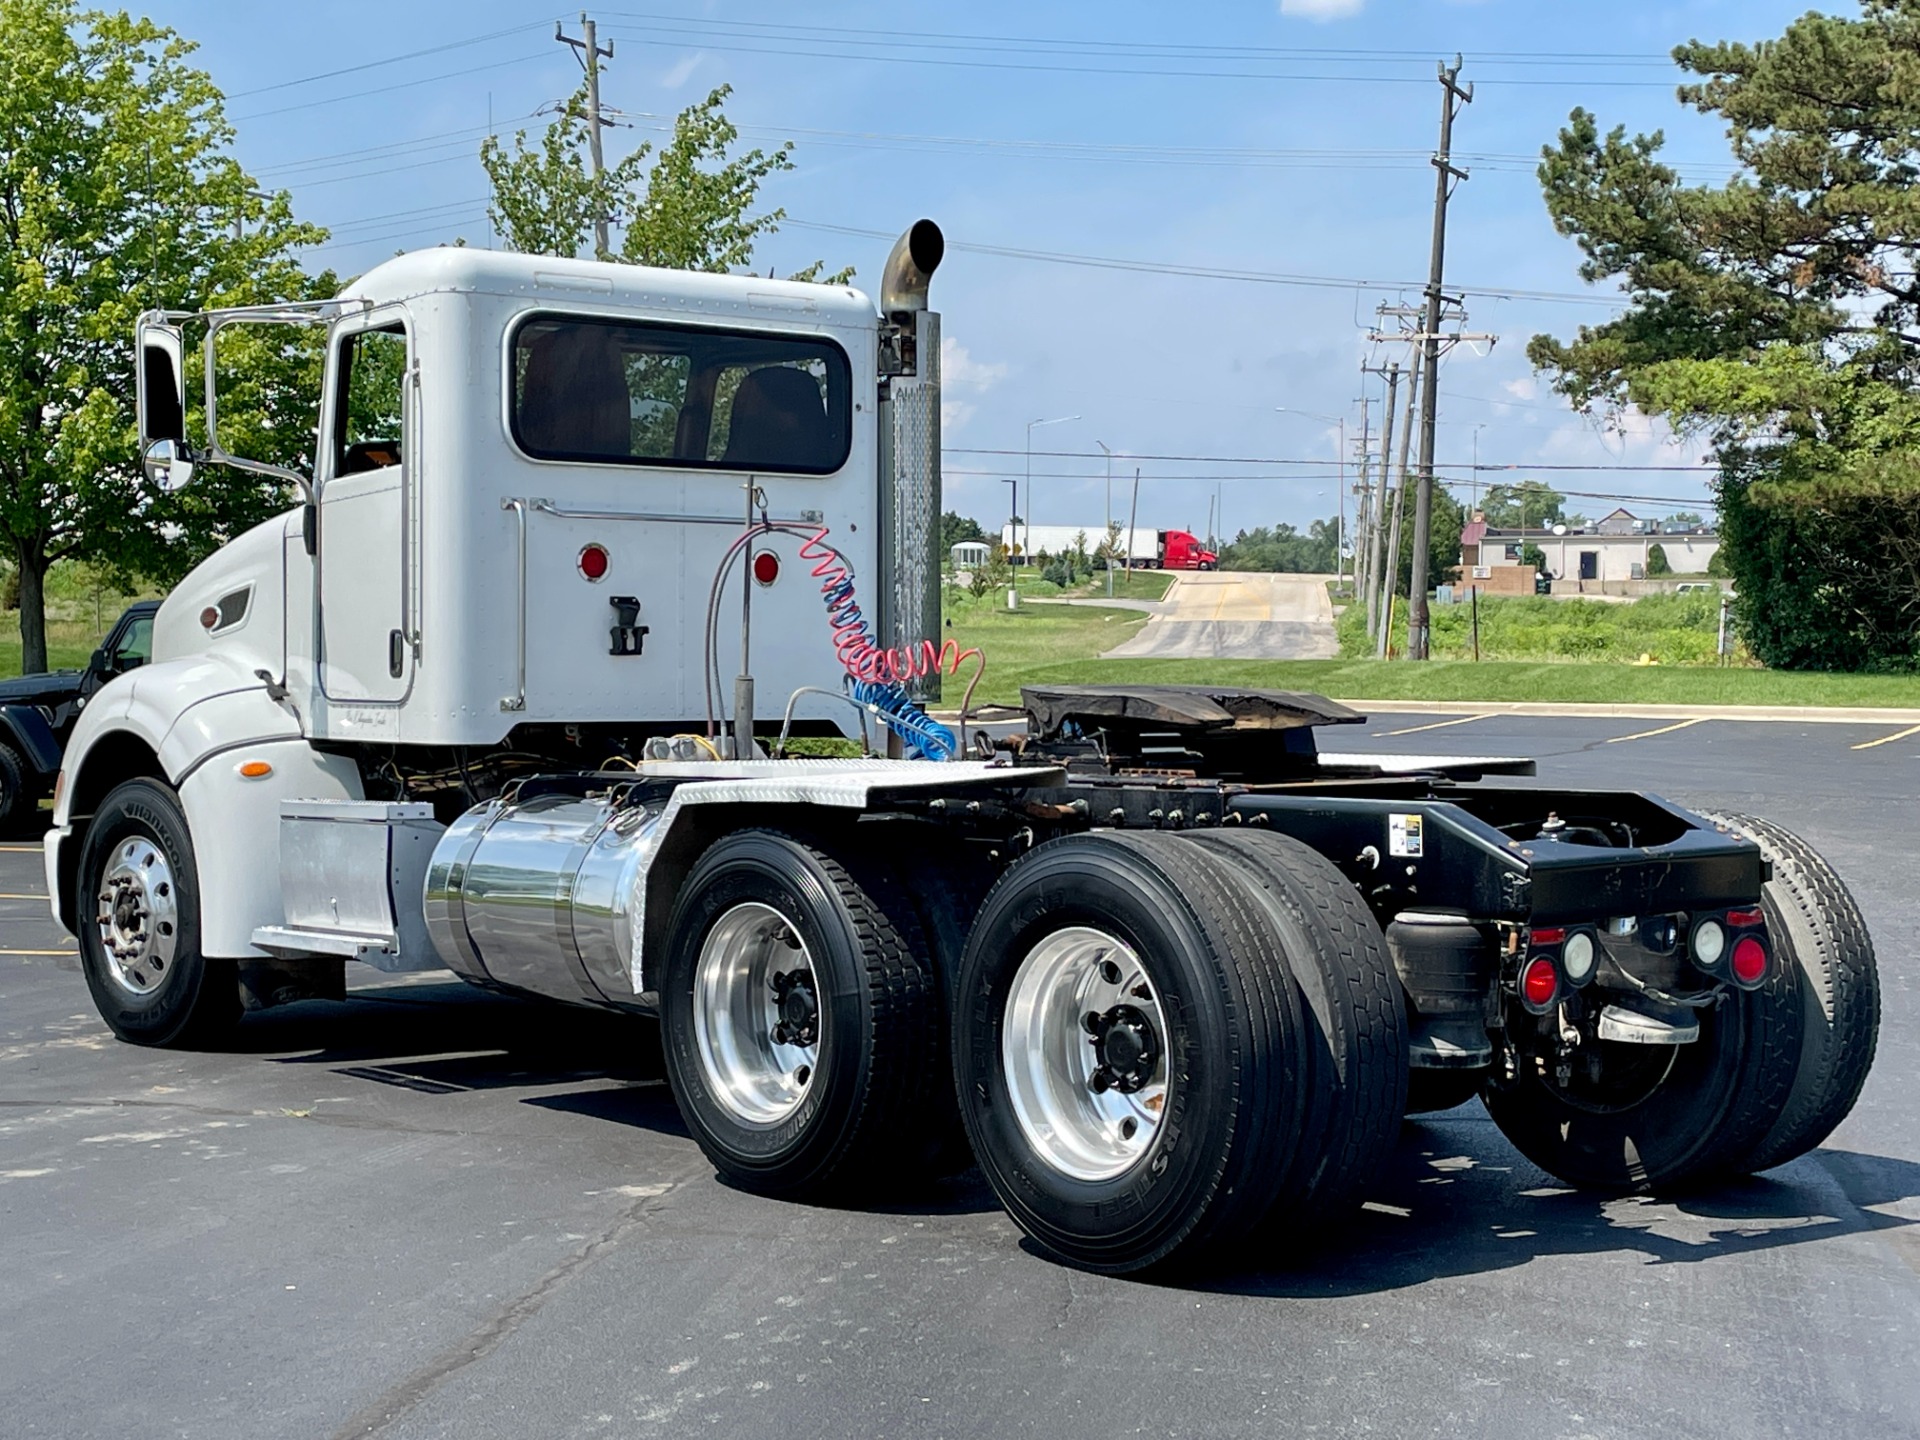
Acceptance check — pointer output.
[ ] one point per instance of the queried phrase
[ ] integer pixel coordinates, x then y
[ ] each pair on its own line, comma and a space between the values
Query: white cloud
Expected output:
1525, 388
963, 380
683, 68
1321, 9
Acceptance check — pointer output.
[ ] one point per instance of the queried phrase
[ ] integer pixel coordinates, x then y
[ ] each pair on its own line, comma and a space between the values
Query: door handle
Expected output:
396, 653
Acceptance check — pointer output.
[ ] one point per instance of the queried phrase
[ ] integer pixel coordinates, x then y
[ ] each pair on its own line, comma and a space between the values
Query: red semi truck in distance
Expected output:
1181, 551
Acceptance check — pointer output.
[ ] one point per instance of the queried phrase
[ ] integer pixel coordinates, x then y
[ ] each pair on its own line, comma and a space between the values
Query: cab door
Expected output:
364, 532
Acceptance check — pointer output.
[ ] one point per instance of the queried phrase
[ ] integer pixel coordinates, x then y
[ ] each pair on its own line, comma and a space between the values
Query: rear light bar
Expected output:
1746, 919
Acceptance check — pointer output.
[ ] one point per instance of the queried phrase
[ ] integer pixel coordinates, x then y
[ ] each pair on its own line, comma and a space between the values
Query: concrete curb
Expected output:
1803, 714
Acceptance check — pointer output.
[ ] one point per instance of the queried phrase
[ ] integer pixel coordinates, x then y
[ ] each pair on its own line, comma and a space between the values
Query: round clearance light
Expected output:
766, 567
1749, 961
209, 618
1578, 957
1709, 943
593, 562
1539, 983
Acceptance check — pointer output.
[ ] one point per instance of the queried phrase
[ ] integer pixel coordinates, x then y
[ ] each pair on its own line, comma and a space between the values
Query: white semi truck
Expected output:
1168, 971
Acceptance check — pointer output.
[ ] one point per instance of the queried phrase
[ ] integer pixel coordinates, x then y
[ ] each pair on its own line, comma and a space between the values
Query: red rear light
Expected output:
1547, 934
766, 567
594, 562
1749, 960
1746, 919
1539, 983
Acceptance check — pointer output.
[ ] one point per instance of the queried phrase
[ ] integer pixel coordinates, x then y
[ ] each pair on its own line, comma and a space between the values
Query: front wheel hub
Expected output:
137, 917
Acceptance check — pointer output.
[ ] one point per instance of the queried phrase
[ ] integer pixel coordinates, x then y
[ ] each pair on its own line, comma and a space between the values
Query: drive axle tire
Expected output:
138, 913
1353, 1006
1127, 1051
800, 1020
1816, 929
1662, 1117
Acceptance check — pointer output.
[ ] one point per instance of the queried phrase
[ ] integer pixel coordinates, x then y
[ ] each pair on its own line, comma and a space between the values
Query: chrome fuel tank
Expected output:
537, 895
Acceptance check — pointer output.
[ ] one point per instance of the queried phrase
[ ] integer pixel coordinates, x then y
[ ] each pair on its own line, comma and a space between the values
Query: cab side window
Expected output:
367, 430
135, 647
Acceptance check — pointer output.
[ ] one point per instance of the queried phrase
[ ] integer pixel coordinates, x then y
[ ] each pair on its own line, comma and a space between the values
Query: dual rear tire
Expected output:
1158, 1046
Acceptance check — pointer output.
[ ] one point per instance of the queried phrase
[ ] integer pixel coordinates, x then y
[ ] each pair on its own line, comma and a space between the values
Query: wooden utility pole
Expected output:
1452, 97
591, 55
1133, 516
1391, 571
1377, 538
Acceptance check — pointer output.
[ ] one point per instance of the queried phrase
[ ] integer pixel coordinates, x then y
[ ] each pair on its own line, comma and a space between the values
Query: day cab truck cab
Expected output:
500, 693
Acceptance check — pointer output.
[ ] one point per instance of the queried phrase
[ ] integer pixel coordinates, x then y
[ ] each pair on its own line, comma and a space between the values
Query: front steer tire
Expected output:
1817, 930
140, 945
845, 1100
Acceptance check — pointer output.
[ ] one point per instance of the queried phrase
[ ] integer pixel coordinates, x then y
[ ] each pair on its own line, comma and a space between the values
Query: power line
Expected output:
390, 60
1203, 272
1640, 57
1328, 464
838, 50
411, 84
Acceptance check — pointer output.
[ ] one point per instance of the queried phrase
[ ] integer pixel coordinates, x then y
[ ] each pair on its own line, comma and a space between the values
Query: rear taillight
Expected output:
1539, 984
1749, 961
1746, 919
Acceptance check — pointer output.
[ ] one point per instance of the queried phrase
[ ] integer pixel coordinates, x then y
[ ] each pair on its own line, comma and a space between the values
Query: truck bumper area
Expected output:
53, 852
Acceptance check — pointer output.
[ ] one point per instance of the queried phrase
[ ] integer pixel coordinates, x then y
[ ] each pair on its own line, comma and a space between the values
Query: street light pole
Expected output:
1013, 514
1057, 420
1109, 535
1340, 526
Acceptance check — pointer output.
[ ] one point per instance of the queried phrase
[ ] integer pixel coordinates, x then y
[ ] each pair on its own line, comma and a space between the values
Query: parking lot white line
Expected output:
1663, 730
1436, 725
1889, 739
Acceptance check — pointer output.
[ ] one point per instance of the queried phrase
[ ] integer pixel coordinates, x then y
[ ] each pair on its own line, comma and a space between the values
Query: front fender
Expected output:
27, 731
184, 711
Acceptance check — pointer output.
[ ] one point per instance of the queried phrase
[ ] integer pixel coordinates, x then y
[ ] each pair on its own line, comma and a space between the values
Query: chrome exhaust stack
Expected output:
909, 269
909, 590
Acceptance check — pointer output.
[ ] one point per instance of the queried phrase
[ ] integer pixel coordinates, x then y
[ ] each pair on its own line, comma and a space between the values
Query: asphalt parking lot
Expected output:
431, 1212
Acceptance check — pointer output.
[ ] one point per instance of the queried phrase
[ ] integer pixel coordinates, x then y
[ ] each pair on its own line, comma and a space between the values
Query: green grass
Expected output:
1034, 638
81, 608
1667, 629
1462, 680
1059, 644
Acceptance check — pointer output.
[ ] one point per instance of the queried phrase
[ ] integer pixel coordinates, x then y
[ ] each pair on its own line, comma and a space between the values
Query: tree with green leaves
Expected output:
1529, 505
692, 209
1657, 562
957, 529
118, 193
1778, 317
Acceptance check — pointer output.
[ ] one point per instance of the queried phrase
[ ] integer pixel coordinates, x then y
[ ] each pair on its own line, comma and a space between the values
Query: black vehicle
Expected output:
37, 713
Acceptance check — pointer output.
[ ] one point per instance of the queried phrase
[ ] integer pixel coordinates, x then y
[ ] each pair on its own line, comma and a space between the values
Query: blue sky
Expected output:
1284, 137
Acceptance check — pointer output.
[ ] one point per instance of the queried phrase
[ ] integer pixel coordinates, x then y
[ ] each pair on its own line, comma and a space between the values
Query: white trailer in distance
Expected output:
1166, 971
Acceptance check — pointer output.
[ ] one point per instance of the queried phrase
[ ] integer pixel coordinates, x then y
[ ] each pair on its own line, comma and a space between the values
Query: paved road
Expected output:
1233, 616
431, 1212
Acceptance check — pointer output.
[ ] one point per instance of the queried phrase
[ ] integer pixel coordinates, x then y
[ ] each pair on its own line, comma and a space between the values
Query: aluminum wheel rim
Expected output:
1050, 1058
138, 916
759, 1079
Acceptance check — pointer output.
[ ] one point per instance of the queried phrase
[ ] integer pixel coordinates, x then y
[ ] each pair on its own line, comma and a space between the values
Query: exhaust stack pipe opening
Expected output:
909, 268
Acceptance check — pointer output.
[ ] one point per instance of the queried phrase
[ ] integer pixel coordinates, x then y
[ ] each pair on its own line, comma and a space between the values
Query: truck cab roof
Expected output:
453, 269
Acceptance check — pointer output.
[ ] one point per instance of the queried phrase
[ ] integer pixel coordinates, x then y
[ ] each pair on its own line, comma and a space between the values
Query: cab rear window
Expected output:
615, 392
